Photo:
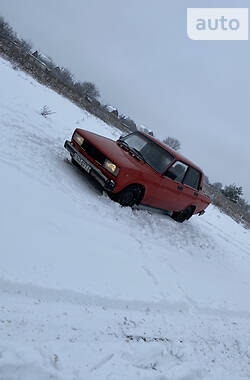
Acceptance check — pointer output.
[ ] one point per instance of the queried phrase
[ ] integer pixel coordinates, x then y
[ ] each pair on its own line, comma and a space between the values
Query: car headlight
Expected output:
111, 167
78, 138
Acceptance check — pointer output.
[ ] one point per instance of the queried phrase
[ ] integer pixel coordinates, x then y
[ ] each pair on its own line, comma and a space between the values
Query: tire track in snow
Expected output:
48, 295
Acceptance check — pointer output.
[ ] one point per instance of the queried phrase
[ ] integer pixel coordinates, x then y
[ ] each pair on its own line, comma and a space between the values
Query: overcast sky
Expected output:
139, 56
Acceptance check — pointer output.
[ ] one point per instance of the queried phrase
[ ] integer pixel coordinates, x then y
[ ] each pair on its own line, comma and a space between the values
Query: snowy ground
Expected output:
90, 290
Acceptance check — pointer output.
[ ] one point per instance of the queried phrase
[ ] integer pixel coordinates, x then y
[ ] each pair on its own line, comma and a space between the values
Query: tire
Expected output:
183, 215
74, 162
129, 196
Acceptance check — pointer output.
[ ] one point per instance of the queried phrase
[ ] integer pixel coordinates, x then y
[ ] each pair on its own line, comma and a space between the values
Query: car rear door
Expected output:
191, 186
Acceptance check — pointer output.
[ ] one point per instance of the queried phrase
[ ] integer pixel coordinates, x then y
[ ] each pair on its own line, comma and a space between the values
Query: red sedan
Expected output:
138, 169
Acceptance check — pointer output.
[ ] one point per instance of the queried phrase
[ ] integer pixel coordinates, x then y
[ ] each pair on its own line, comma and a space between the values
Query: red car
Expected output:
138, 169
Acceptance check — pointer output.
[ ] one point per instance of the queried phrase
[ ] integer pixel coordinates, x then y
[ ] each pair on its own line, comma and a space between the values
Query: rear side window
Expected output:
192, 178
176, 171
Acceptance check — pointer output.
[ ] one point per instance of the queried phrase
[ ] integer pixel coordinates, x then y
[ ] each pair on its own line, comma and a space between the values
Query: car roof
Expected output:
177, 155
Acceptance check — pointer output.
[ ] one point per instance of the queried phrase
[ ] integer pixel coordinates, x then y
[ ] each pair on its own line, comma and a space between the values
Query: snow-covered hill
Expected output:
90, 290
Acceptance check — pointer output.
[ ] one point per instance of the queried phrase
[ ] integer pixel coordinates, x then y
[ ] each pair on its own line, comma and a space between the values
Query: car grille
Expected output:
93, 152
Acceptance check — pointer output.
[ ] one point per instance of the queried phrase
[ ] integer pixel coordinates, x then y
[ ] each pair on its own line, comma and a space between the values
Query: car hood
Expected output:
114, 152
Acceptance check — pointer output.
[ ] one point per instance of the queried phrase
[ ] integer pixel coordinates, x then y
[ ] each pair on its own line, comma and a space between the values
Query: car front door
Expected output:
170, 192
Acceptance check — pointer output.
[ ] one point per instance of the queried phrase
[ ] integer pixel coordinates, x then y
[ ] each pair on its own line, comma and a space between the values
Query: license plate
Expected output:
82, 163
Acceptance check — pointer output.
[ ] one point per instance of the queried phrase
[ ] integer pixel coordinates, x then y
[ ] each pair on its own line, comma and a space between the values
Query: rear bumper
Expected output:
105, 182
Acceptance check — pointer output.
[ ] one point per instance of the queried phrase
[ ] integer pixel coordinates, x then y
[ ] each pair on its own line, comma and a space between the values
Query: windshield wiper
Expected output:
123, 143
132, 150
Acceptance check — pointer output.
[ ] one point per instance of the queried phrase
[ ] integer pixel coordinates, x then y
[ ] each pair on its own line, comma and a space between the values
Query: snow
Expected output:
44, 57
111, 108
91, 290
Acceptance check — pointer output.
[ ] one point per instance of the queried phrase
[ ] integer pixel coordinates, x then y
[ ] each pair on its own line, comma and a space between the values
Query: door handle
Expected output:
180, 188
195, 194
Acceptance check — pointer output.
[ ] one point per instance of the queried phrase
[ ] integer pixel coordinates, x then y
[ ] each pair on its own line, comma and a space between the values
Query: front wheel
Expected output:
129, 196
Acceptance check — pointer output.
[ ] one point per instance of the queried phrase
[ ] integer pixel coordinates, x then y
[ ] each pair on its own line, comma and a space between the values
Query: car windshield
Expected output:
153, 154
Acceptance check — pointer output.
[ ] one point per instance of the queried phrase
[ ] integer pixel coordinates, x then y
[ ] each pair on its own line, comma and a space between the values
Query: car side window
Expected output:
177, 171
192, 178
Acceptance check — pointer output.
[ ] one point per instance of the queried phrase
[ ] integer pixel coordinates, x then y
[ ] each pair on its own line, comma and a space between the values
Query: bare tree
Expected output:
87, 89
243, 203
6, 30
64, 75
172, 142
206, 180
25, 46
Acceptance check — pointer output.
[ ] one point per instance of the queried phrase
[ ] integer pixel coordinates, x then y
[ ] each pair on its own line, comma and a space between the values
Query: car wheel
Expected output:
183, 215
74, 162
129, 196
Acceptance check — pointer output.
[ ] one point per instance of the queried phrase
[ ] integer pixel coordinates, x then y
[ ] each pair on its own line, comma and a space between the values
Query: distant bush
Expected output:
46, 111
217, 185
233, 192
234, 210
230, 193
172, 142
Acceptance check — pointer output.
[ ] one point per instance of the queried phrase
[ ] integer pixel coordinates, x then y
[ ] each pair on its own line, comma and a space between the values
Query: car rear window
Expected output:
192, 178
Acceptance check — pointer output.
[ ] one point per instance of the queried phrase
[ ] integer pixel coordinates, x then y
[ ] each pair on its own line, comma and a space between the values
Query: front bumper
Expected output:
105, 182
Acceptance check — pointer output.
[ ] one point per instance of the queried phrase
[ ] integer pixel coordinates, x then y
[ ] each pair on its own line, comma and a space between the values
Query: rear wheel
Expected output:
183, 215
129, 196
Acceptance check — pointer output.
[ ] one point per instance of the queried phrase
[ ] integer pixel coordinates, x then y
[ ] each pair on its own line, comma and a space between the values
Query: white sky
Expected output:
140, 58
